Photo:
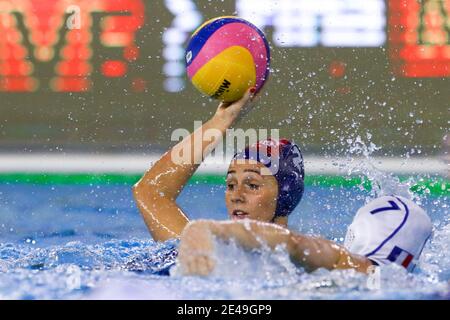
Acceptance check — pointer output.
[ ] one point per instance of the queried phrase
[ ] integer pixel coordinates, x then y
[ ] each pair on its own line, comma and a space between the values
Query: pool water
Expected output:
89, 242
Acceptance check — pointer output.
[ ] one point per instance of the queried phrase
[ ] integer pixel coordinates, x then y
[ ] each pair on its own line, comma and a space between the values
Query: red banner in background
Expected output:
32, 59
419, 37
43, 21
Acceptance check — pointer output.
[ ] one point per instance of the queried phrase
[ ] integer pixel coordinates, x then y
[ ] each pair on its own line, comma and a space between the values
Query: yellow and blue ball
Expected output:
226, 56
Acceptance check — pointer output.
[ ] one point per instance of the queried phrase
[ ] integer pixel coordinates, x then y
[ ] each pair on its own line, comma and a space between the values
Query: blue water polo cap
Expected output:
285, 161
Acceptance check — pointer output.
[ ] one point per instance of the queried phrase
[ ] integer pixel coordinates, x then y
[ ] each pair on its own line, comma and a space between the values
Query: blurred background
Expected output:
108, 76
92, 90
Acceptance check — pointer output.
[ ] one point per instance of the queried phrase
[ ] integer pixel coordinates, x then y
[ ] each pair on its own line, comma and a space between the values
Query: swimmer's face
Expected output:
251, 191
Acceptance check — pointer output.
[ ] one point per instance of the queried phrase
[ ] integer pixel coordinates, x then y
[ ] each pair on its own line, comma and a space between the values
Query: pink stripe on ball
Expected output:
234, 34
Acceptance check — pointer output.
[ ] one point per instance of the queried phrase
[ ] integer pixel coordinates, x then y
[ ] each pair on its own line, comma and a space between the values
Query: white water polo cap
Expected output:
389, 229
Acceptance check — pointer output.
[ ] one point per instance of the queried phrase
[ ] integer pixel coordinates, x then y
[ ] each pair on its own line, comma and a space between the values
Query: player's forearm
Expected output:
156, 192
310, 252
197, 246
250, 234
169, 174
314, 253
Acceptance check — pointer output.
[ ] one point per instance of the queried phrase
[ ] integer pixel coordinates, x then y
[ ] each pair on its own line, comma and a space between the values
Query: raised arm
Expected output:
156, 192
312, 253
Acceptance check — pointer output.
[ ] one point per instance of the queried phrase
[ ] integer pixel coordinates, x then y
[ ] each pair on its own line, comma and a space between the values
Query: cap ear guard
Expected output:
290, 192
290, 179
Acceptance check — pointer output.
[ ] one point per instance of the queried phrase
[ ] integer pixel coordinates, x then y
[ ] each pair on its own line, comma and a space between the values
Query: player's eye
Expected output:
253, 186
230, 186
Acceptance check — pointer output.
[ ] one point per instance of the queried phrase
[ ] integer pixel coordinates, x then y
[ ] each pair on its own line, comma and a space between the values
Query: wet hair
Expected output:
285, 161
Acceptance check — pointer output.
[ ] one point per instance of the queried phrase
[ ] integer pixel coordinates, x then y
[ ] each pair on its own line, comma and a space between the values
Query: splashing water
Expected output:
86, 253
383, 183
263, 273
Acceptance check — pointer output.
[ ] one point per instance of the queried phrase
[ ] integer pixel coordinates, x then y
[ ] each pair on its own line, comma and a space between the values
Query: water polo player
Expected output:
259, 198
389, 229
156, 192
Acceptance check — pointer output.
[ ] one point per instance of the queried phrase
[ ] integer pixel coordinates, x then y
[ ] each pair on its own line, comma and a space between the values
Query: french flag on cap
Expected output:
401, 257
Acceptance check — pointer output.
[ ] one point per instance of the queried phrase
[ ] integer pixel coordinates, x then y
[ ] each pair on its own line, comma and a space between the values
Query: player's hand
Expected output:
232, 111
196, 249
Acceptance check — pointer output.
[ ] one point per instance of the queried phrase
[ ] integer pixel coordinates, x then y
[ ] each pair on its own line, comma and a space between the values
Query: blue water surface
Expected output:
89, 242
